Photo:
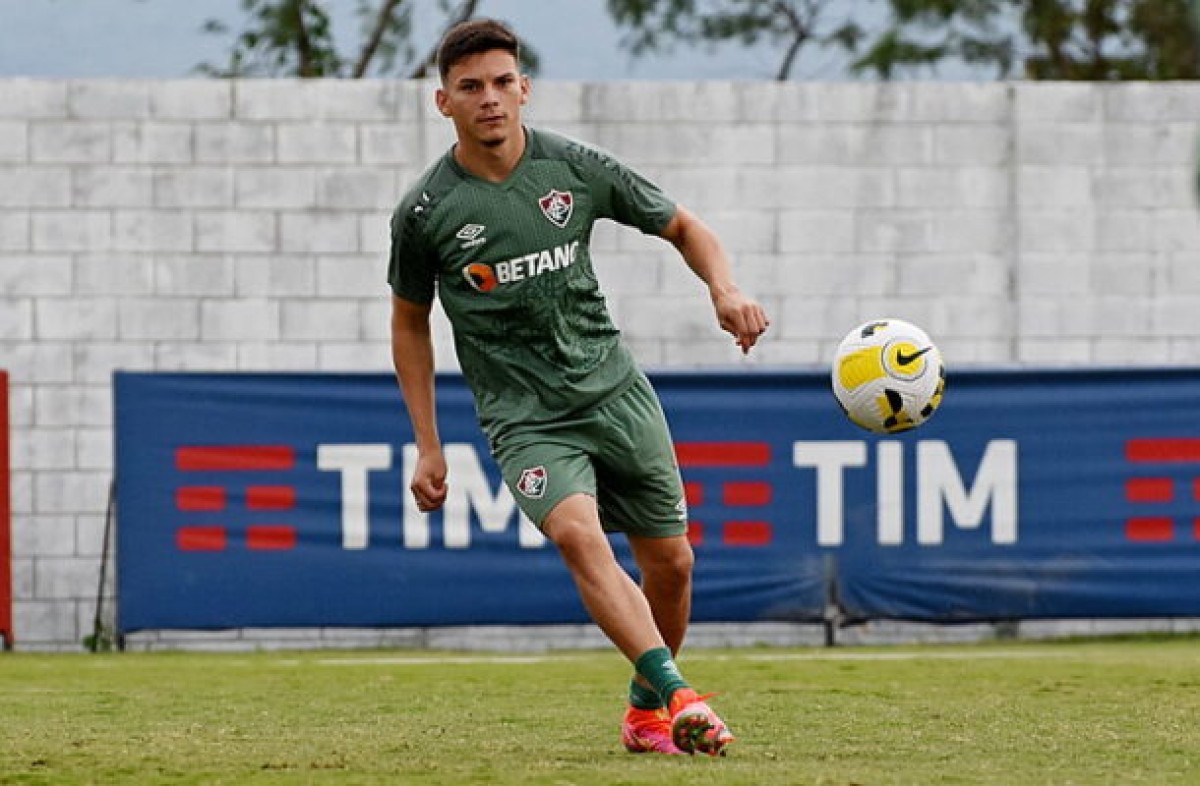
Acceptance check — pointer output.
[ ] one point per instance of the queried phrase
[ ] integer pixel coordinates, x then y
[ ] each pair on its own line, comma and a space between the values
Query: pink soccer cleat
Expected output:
647, 731
695, 728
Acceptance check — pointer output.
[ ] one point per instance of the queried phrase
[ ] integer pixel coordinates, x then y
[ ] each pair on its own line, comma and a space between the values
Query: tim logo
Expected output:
731, 507
1159, 459
242, 467
557, 206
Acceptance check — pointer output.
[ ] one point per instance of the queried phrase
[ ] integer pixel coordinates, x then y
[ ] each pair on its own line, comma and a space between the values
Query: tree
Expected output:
656, 25
295, 38
1059, 39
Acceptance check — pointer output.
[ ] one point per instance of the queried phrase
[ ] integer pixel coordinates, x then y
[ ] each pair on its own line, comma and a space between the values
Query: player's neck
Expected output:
494, 163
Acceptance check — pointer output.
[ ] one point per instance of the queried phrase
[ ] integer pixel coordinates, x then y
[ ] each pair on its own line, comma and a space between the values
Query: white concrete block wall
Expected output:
221, 225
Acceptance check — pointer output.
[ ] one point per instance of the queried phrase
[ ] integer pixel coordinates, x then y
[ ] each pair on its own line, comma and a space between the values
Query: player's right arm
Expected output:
412, 355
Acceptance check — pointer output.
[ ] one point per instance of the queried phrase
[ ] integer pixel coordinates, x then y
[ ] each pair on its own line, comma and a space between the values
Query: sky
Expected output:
575, 39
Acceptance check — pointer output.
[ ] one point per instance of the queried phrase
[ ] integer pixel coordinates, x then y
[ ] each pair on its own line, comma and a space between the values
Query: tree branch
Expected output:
382, 21
304, 49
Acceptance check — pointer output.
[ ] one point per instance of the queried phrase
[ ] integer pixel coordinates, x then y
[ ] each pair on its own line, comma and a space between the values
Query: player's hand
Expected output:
429, 481
740, 316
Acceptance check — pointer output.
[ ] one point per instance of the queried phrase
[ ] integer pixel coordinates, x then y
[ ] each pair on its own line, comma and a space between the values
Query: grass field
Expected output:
1113, 712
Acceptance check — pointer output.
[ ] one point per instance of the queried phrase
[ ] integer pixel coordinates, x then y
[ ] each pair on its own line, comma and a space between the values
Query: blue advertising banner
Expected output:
255, 500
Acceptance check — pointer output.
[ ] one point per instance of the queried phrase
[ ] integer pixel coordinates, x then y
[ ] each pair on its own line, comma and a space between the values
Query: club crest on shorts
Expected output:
557, 206
532, 482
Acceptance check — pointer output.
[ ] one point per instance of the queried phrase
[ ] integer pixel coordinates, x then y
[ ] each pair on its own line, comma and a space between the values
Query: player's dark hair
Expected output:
473, 37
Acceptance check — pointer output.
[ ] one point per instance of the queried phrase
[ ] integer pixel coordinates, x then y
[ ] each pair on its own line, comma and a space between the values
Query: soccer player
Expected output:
499, 229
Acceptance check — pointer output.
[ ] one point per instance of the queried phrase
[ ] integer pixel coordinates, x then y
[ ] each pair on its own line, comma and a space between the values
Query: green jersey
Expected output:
511, 264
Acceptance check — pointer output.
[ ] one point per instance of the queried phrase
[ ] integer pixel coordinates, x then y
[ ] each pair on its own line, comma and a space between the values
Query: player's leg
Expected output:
666, 568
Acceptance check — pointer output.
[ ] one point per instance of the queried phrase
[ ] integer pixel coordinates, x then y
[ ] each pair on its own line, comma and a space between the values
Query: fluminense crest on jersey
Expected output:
533, 482
557, 206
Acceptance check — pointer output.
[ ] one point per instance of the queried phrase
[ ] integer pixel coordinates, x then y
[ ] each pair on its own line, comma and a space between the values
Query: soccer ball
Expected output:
888, 376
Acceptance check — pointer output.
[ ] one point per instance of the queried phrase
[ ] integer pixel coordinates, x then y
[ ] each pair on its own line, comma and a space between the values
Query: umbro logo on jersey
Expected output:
471, 234
557, 206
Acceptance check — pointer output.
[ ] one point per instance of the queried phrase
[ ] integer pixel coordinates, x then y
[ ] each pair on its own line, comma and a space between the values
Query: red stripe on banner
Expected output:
1149, 490
693, 493
746, 493
1196, 529
270, 537
695, 533
234, 458
746, 533
1154, 529
6, 627
270, 497
201, 539
1182, 449
723, 454
200, 498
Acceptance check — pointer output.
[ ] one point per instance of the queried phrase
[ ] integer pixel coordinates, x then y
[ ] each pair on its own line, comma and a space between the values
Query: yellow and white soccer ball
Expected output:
888, 376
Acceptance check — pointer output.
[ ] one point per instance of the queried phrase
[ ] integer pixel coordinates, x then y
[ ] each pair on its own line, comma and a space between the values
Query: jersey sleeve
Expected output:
412, 268
623, 195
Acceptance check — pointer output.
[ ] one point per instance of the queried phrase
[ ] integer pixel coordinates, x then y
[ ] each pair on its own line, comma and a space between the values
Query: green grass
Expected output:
1114, 712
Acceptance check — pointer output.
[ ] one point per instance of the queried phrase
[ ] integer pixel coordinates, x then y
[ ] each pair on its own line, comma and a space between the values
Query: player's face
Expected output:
483, 95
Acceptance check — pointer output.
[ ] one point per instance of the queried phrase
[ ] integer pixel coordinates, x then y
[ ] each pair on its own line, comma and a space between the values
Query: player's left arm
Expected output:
700, 247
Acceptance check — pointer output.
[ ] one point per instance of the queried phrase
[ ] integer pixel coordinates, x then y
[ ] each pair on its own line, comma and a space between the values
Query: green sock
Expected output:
644, 698
660, 671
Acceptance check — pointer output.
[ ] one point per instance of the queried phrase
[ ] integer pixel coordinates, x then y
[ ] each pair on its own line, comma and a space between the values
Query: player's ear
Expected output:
526, 88
442, 99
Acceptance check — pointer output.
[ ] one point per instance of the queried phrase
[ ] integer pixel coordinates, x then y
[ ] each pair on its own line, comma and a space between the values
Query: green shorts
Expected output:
620, 453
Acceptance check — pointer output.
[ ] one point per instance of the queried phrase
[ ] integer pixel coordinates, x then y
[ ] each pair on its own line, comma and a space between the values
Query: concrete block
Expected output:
235, 231
556, 102
1059, 102
967, 103
354, 357
852, 145
70, 142
190, 356
375, 235
153, 143
193, 187
657, 103
277, 276
44, 536
72, 230
66, 406
398, 143
152, 230
700, 187
94, 362
316, 143
21, 494
30, 275
235, 143
953, 275
57, 578
14, 142
318, 232
741, 231
1132, 351
34, 187
335, 99
666, 316
816, 187
45, 622
973, 231
320, 320
14, 231
191, 99
36, 363
357, 189
33, 98
108, 98
637, 273
272, 187
193, 275
276, 356
1055, 351
375, 317
895, 231
1070, 230
1056, 273
239, 320
1135, 187
1176, 230
113, 273
22, 575
1152, 102
16, 322
937, 187
1174, 315
110, 186
984, 146
816, 231
1133, 144
161, 319
1060, 144
84, 318
637, 145
350, 276
1125, 230
70, 492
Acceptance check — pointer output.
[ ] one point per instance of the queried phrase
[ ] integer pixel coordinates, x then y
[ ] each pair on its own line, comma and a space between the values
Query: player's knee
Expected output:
672, 565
